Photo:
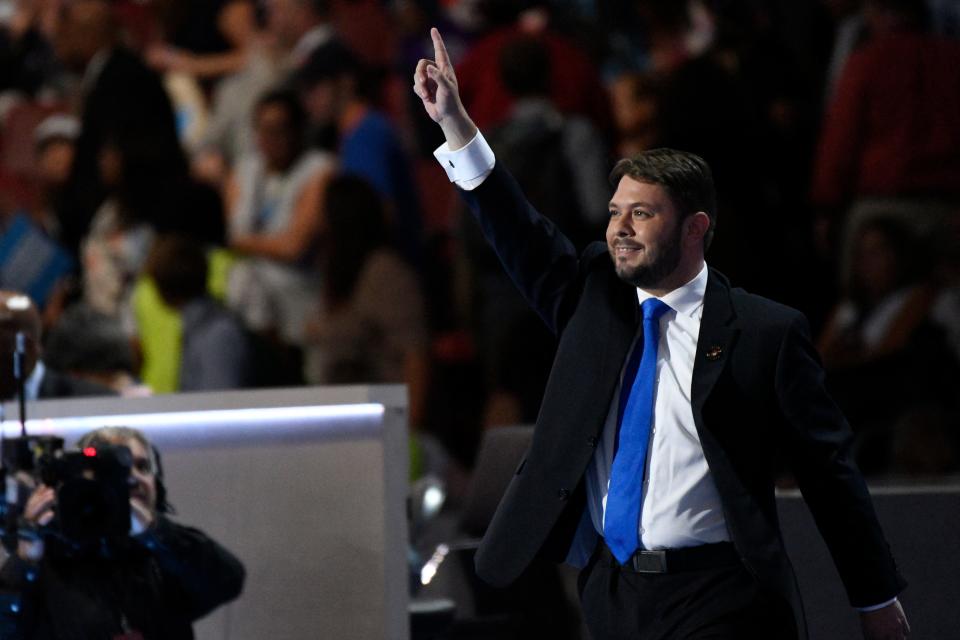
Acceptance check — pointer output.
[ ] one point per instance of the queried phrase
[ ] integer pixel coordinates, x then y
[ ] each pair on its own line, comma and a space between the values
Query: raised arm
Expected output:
539, 259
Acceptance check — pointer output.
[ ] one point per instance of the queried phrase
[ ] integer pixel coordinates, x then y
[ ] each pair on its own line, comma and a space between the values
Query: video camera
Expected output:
92, 493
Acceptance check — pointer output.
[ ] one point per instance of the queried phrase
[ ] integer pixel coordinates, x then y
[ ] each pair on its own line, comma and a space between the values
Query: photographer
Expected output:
152, 583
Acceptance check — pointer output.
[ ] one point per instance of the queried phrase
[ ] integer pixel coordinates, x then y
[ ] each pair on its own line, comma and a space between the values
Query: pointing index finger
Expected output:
439, 49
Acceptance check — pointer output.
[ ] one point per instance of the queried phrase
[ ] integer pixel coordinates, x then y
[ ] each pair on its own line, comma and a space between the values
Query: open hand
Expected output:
38, 512
888, 623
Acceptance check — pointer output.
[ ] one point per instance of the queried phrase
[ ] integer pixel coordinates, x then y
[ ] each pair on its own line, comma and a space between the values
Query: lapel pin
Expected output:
714, 352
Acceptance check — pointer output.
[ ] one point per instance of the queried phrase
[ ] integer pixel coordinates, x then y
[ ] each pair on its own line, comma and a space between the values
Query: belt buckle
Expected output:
650, 561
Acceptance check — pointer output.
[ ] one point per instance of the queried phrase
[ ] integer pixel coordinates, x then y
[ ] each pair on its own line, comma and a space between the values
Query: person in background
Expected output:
337, 93
215, 350
887, 297
28, 64
124, 105
294, 29
890, 140
19, 316
373, 327
275, 217
32, 258
91, 346
113, 252
55, 139
236, 28
882, 342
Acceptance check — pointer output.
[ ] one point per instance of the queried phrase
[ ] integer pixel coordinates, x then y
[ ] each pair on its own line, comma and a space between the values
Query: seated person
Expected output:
887, 361
153, 583
87, 344
18, 314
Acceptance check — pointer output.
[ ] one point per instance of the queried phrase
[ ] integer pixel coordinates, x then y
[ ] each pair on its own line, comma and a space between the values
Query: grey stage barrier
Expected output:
306, 486
922, 525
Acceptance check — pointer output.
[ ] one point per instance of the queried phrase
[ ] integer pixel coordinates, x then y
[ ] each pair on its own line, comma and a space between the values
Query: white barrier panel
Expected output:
306, 486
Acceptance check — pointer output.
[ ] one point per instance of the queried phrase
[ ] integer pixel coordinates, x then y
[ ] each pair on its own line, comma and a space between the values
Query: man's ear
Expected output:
697, 226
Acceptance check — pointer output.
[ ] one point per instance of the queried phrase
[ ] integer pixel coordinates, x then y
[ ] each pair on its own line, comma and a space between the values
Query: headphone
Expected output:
163, 506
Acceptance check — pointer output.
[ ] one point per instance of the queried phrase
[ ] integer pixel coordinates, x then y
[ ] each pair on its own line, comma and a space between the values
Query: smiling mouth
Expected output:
626, 250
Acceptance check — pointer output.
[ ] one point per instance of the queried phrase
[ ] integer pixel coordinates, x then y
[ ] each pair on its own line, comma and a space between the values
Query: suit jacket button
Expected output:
563, 494
592, 441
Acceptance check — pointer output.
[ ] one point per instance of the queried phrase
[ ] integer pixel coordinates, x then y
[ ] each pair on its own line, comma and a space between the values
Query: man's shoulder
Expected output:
374, 127
755, 308
208, 319
61, 385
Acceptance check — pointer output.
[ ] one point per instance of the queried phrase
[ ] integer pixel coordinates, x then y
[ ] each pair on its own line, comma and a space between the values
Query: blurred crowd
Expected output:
217, 194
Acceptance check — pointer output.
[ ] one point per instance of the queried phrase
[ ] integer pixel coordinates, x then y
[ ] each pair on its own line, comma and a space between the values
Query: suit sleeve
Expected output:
197, 572
818, 446
540, 260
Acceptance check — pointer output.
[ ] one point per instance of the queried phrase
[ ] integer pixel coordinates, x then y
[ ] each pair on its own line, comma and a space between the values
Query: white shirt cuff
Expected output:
468, 166
876, 606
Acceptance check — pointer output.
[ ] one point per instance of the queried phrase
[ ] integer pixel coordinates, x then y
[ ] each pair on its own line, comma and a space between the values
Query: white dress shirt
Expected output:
681, 505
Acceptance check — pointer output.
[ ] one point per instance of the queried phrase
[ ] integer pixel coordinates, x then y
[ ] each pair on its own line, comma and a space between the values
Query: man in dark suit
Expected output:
672, 398
18, 315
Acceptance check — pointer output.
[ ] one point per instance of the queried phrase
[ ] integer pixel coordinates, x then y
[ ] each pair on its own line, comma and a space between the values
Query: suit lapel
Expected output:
624, 323
621, 330
718, 333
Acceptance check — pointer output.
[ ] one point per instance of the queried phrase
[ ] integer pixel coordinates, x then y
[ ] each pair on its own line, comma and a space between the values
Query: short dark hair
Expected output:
178, 266
87, 341
290, 101
686, 177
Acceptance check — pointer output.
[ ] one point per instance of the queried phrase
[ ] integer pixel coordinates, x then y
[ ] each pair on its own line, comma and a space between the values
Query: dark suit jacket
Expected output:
58, 385
757, 393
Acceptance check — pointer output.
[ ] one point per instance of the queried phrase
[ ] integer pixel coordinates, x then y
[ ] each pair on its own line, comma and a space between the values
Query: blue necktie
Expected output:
622, 519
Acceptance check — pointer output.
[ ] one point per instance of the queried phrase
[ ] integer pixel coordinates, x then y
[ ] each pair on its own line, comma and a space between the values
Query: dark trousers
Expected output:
717, 603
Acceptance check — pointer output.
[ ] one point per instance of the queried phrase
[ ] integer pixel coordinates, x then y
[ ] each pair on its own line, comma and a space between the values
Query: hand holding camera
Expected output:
38, 512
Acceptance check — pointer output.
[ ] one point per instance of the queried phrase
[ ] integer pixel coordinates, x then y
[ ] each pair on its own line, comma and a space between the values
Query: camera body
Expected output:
93, 495
92, 486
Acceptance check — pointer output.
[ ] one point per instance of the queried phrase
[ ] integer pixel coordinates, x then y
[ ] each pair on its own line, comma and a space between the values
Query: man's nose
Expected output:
622, 227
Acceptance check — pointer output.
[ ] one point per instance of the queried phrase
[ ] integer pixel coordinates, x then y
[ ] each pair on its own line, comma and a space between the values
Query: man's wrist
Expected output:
458, 130
877, 607
468, 166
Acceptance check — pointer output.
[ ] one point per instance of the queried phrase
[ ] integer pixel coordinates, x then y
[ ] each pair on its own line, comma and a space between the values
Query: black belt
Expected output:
707, 556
